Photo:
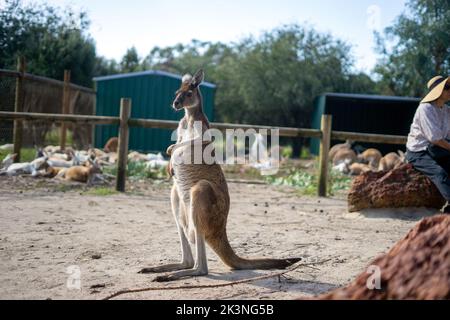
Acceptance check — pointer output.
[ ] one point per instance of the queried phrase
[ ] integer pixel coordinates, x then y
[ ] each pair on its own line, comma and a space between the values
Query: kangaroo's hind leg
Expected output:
187, 261
199, 213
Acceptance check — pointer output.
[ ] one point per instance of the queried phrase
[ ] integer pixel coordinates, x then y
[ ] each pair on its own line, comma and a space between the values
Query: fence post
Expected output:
325, 127
65, 107
125, 110
18, 107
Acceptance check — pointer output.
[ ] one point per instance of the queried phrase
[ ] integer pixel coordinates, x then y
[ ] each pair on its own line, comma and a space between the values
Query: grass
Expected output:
139, 170
26, 154
53, 137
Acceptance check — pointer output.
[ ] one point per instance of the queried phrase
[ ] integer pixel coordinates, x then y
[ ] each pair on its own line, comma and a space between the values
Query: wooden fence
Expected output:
325, 134
21, 76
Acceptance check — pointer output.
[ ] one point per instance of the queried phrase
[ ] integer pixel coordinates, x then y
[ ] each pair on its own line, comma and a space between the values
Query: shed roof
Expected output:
370, 97
146, 73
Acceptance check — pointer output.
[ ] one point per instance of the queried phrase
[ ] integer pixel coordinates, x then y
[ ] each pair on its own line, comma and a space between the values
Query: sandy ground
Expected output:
47, 234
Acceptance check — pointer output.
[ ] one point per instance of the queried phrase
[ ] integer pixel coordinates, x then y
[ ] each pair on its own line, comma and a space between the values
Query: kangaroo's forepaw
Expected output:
170, 149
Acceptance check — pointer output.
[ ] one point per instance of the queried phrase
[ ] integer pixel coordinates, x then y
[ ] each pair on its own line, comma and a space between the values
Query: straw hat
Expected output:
436, 86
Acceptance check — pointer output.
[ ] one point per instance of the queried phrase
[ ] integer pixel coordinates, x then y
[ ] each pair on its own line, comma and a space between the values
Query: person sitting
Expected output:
428, 145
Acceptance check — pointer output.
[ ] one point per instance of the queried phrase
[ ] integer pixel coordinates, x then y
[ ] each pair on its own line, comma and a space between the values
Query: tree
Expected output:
105, 67
280, 74
271, 80
50, 39
130, 61
415, 48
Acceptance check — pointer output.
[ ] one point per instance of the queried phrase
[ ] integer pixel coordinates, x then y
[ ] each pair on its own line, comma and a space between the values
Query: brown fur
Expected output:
111, 145
81, 173
370, 156
391, 161
344, 154
52, 172
334, 149
201, 202
358, 168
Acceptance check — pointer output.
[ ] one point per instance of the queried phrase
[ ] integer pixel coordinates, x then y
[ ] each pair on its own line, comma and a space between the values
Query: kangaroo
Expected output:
334, 149
52, 172
111, 145
344, 155
81, 173
8, 160
391, 161
200, 199
370, 156
358, 168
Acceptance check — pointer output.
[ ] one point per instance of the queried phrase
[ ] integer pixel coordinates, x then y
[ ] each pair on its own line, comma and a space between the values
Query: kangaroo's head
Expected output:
188, 96
93, 166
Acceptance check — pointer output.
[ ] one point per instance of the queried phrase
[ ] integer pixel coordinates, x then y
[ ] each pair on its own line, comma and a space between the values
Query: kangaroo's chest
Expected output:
193, 157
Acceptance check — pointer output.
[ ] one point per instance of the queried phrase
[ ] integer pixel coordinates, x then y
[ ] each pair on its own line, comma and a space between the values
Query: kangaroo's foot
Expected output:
167, 268
182, 274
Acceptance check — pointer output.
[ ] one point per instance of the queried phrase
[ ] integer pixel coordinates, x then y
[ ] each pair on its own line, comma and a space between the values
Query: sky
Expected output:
118, 25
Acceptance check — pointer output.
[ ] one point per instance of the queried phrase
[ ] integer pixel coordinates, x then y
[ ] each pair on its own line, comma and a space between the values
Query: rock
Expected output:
417, 267
400, 187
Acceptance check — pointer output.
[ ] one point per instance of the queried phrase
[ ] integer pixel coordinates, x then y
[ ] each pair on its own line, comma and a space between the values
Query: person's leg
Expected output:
441, 155
423, 162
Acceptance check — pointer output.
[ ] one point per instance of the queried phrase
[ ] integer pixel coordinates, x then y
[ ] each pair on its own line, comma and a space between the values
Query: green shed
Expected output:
151, 93
366, 114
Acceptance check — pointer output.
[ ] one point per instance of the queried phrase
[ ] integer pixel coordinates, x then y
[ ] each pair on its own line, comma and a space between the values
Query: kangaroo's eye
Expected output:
189, 94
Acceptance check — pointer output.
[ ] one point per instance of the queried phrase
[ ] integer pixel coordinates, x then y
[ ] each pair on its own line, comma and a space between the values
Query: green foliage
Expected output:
286, 152
338, 182
26, 154
53, 137
139, 170
305, 154
104, 67
415, 48
308, 183
270, 80
50, 39
130, 61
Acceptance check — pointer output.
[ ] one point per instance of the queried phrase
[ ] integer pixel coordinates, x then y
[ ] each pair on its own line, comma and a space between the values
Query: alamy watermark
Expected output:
374, 281
212, 146
74, 278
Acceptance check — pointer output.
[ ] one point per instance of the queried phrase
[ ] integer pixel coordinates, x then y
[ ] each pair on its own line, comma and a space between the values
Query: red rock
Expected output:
417, 267
400, 187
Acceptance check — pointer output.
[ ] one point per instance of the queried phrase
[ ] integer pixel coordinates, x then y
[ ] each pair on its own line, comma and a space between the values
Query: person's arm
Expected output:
442, 143
430, 123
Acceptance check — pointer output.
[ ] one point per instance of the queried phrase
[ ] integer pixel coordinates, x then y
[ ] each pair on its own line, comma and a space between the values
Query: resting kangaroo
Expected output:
200, 199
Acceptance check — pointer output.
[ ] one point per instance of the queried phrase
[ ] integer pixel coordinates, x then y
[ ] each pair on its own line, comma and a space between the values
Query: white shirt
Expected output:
430, 124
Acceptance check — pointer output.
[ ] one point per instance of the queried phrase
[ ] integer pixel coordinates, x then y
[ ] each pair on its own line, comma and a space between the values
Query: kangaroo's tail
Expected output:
221, 246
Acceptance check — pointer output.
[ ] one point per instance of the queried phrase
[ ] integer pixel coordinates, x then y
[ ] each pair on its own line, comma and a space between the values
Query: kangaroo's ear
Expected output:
197, 79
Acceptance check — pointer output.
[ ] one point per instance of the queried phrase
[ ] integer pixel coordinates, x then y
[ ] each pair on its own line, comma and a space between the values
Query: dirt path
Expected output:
110, 238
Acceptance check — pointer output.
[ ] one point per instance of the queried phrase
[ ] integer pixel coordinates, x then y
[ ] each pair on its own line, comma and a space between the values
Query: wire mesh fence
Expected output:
7, 97
43, 95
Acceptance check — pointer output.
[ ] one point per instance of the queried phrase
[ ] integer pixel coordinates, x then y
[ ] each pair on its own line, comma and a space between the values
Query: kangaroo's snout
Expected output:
177, 105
